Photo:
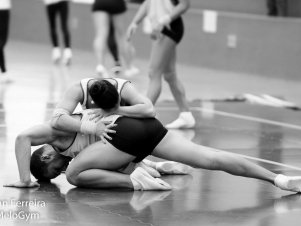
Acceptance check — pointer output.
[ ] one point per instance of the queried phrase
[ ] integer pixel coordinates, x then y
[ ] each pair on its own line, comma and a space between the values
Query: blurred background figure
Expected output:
167, 30
109, 17
60, 9
277, 7
5, 6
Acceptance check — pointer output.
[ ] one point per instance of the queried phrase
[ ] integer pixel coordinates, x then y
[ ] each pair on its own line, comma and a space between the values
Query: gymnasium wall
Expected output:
245, 6
247, 43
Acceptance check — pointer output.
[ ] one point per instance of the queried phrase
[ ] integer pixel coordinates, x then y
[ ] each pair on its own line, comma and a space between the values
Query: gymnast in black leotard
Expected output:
96, 165
108, 15
167, 31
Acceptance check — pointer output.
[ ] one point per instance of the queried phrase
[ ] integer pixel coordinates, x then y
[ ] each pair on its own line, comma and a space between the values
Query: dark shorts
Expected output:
176, 30
109, 6
137, 137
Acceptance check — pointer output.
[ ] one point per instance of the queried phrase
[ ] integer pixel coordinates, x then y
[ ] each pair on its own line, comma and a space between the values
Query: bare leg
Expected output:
177, 148
170, 76
126, 49
94, 167
101, 22
160, 56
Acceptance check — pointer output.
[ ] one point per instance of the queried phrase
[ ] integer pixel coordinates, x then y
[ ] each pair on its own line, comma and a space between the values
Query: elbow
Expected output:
21, 137
54, 122
186, 5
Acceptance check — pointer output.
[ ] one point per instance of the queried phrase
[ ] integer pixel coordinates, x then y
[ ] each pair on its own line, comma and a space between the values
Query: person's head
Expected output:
46, 163
104, 94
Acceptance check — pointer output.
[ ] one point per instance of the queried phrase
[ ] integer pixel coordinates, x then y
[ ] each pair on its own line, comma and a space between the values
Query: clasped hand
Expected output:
102, 127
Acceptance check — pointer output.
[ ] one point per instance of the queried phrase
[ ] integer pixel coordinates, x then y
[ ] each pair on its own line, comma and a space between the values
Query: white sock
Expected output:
151, 170
102, 71
67, 56
184, 121
288, 183
144, 181
170, 167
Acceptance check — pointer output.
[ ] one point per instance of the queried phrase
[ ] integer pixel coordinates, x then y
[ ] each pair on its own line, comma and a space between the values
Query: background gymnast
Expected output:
167, 32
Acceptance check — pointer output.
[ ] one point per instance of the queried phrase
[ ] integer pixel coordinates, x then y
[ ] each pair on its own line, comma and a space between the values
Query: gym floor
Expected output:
271, 135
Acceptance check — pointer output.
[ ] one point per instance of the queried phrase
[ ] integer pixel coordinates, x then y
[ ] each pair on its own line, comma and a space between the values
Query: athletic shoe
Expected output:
116, 69
132, 71
185, 121
102, 71
67, 56
56, 55
151, 170
170, 167
142, 180
288, 183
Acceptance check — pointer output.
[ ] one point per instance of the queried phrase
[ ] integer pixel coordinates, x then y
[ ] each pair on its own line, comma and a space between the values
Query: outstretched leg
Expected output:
176, 148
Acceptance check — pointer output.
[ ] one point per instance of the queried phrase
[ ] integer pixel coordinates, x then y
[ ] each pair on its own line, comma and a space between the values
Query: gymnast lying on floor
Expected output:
97, 165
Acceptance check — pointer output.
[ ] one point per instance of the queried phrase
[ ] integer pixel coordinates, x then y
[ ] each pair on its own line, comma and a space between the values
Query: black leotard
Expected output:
137, 136
109, 6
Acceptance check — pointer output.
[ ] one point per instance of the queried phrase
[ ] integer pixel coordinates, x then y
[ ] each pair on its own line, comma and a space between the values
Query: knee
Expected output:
170, 77
155, 72
72, 177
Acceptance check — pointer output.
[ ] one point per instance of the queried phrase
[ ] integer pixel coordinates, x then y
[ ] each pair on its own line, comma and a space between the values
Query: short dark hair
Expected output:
38, 167
104, 94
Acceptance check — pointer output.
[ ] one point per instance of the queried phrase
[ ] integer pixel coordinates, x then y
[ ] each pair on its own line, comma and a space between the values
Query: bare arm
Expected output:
142, 12
140, 106
180, 9
71, 99
34, 136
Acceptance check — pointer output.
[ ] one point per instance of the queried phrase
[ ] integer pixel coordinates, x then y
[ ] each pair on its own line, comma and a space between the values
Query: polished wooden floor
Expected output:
202, 198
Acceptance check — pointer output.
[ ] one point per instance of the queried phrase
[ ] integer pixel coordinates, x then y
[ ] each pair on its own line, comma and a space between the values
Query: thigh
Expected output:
63, 11
119, 23
100, 156
51, 11
177, 148
4, 25
101, 23
161, 54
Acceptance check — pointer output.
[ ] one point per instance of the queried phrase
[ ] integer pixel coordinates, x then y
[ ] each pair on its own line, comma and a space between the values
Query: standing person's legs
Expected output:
125, 47
51, 14
160, 55
177, 148
186, 119
272, 8
4, 29
281, 7
64, 16
101, 23
113, 48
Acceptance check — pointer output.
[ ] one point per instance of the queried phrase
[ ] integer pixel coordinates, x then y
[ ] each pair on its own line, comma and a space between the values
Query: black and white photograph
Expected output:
150, 112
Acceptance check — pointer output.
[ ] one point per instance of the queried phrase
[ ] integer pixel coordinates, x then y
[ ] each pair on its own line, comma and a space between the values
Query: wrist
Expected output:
88, 127
165, 20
